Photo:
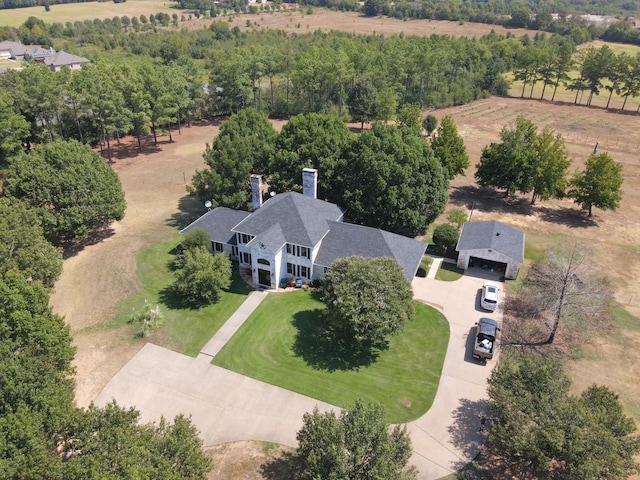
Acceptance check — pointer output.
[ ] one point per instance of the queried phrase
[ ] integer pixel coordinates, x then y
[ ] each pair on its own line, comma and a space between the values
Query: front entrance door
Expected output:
264, 277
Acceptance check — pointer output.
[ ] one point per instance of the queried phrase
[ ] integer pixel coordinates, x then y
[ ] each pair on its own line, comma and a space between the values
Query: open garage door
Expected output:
485, 264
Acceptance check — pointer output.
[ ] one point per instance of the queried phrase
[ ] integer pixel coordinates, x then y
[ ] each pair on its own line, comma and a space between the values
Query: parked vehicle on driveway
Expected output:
485, 341
490, 296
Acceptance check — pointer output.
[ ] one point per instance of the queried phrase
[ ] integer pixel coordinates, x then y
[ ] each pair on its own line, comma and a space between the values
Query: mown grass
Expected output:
183, 329
277, 344
70, 12
449, 272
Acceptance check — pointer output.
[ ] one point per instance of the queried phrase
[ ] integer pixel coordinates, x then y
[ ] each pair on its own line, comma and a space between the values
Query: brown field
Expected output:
327, 20
70, 12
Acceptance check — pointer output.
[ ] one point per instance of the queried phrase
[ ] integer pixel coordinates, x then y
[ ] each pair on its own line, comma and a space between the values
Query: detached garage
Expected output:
491, 245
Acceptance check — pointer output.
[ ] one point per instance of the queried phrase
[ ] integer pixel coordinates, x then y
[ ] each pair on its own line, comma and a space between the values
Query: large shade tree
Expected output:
71, 187
367, 300
23, 247
244, 146
525, 161
392, 180
311, 140
356, 445
599, 185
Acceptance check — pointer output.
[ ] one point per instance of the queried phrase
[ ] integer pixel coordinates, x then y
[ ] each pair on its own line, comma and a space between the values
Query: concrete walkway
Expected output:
226, 406
433, 268
231, 326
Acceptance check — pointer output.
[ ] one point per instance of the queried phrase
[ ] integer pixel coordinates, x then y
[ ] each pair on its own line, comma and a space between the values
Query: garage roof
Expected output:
492, 235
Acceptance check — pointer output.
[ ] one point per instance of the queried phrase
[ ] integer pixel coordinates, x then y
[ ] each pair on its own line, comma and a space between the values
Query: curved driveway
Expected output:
226, 406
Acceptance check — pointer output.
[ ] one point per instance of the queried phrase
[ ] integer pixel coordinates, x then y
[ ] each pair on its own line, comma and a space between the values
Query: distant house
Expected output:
297, 236
491, 244
64, 59
12, 50
54, 60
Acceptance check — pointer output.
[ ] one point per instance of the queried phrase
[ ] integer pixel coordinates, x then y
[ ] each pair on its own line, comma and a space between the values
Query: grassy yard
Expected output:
183, 329
449, 272
278, 344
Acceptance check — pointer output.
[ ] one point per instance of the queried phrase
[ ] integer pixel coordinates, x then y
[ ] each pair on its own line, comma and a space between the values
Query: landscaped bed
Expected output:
277, 345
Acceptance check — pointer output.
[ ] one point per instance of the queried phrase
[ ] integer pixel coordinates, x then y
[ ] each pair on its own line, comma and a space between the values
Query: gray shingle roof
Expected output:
219, 223
492, 235
63, 58
345, 239
302, 220
16, 48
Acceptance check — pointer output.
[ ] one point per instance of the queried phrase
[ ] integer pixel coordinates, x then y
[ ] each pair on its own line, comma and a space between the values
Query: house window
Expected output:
217, 247
246, 257
244, 238
290, 268
304, 271
304, 252
234, 251
289, 248
263, 261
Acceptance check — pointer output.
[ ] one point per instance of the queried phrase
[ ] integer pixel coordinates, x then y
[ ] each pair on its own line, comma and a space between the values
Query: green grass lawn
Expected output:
184, 330
449, 272
277, 344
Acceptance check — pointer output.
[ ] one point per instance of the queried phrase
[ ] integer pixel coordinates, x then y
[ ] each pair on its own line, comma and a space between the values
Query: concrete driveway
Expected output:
447, 437
226, 406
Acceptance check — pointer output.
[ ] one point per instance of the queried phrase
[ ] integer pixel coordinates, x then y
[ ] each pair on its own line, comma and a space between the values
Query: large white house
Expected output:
295, 235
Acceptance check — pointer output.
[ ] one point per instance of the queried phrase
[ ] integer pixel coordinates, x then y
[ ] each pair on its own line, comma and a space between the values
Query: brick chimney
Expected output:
310, 182
256, 191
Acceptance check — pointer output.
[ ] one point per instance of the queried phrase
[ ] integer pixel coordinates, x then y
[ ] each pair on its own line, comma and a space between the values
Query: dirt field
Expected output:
353, 22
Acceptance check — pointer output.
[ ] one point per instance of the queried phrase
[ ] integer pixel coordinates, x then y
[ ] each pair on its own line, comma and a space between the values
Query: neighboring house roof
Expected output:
301, 220
492, 235
219, 223
15, 48
346, 239
37, 53
63, 58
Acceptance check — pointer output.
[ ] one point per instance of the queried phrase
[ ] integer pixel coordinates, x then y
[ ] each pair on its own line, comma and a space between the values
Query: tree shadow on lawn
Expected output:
491, 200
281, 467
72, 248
323, 349
190, 208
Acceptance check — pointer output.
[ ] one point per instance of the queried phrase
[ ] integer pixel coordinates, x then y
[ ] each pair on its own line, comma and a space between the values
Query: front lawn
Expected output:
184, 330
276, 345
449, 272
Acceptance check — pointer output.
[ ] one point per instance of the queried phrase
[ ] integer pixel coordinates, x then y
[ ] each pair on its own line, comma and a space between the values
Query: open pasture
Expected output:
70, 12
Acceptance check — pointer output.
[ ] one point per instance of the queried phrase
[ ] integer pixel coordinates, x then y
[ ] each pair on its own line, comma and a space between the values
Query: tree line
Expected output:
389, 177
97, 104
549, 63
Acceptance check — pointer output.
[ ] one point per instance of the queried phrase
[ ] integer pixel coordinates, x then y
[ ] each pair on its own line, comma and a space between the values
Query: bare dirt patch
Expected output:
248, 461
